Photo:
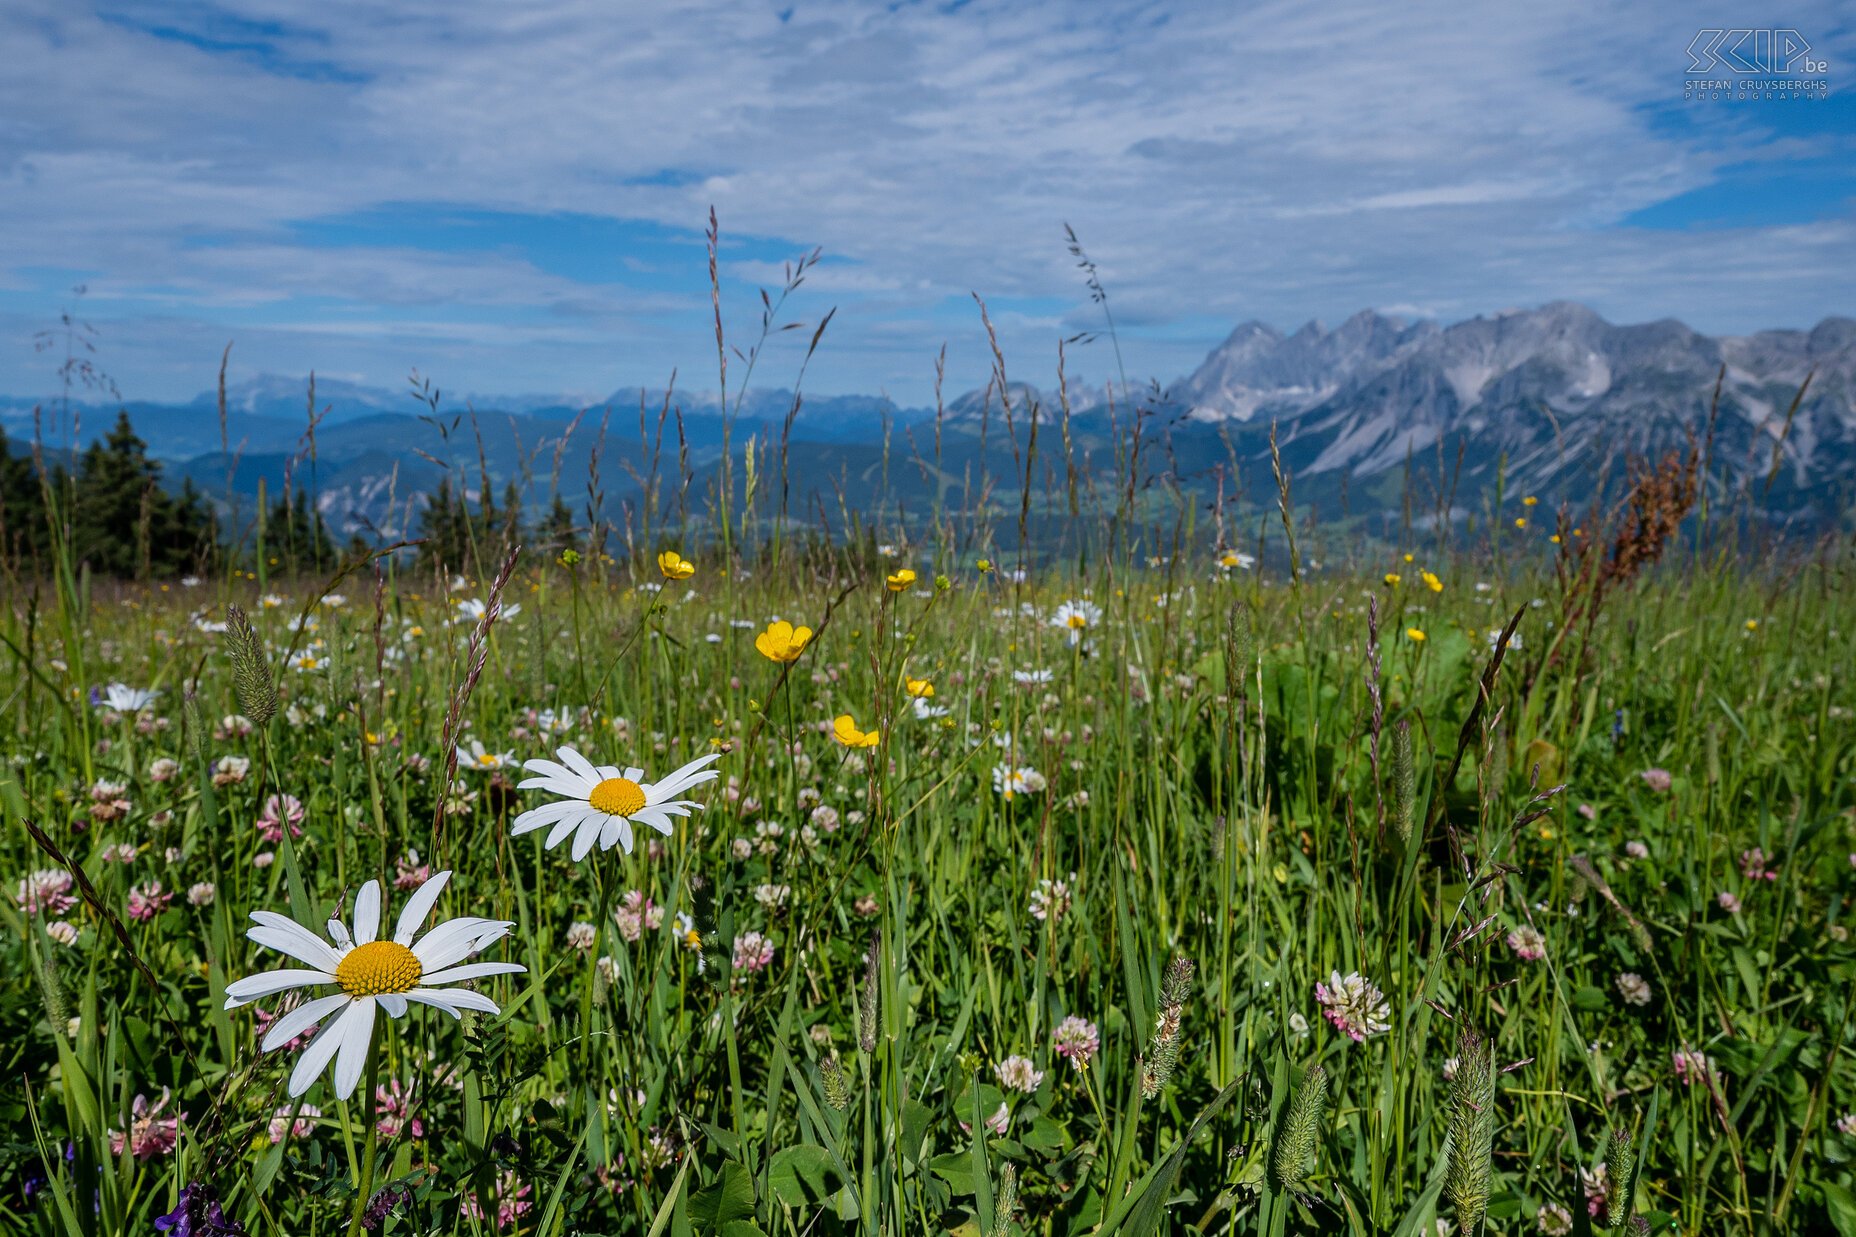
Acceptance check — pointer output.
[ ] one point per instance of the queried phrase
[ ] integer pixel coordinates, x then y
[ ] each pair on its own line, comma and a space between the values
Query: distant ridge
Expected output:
1550, 398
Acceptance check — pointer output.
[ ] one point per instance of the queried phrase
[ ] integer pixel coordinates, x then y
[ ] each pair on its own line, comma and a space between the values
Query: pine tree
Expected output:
556, 532
298, 537
24, 535
444, 528
512, 514
185, 536
113, 501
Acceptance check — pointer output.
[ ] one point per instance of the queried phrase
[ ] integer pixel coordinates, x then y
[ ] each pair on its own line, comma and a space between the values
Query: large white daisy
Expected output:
604, 800
371, 973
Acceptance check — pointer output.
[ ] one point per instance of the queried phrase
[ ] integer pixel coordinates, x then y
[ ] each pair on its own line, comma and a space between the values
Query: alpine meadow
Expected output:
927, 618
1199, 869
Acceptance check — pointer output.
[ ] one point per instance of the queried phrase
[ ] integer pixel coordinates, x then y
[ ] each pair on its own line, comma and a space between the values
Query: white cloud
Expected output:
1274, 160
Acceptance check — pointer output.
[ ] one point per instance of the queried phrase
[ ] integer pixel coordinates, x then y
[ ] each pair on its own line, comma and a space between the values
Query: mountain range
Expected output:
1549, 400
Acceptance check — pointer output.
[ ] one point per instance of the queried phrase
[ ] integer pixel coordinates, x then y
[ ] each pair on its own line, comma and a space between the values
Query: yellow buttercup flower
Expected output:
675, 566
1520, 521
900, 580
1392, 578
844, 730
921, 689
1416, 633
782, 642
1529, 501
1431, 581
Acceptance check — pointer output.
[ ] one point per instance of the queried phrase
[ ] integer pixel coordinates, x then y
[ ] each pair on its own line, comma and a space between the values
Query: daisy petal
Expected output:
394, 1003
472, 970
692, 774
492, 931
318, 1053
578, 763
300, 1019
565, 784
357, 1038
547, 814
367, 913
456, 939
244, 991
566, 825
547, 769
655, 820
302, 944
418, 907
452, 1000
437, 999
589, 833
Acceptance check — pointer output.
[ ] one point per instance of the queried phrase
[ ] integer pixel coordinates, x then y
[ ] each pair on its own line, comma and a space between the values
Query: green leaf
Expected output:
917, 1124
1042, 1134
955, 1168
729, 1198
803, 1175
1842, 1206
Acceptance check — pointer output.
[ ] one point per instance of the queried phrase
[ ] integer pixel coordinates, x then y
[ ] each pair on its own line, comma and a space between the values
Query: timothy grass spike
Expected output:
1301, 1128
251, 669
1472, 1131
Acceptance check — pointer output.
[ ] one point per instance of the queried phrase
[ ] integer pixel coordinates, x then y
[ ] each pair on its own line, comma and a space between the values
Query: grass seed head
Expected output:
866, 1005
1007, 1201
251, 670
1404, 781
1301, 1129
837, 1086
1472, 1130
1163, 1050
1619, 1183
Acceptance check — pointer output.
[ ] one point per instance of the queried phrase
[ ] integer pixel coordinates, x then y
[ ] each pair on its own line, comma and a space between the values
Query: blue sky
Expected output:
511, 198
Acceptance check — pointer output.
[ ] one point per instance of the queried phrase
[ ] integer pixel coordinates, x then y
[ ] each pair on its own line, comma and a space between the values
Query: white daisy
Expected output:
476, 756
470, 610
125, 699
603, 801
1076, 617
1236, 560
371, 973
1012, 781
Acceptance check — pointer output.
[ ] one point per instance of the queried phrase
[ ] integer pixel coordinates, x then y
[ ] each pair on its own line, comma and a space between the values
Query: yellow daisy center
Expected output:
377, 967
1078, 620
617, 796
